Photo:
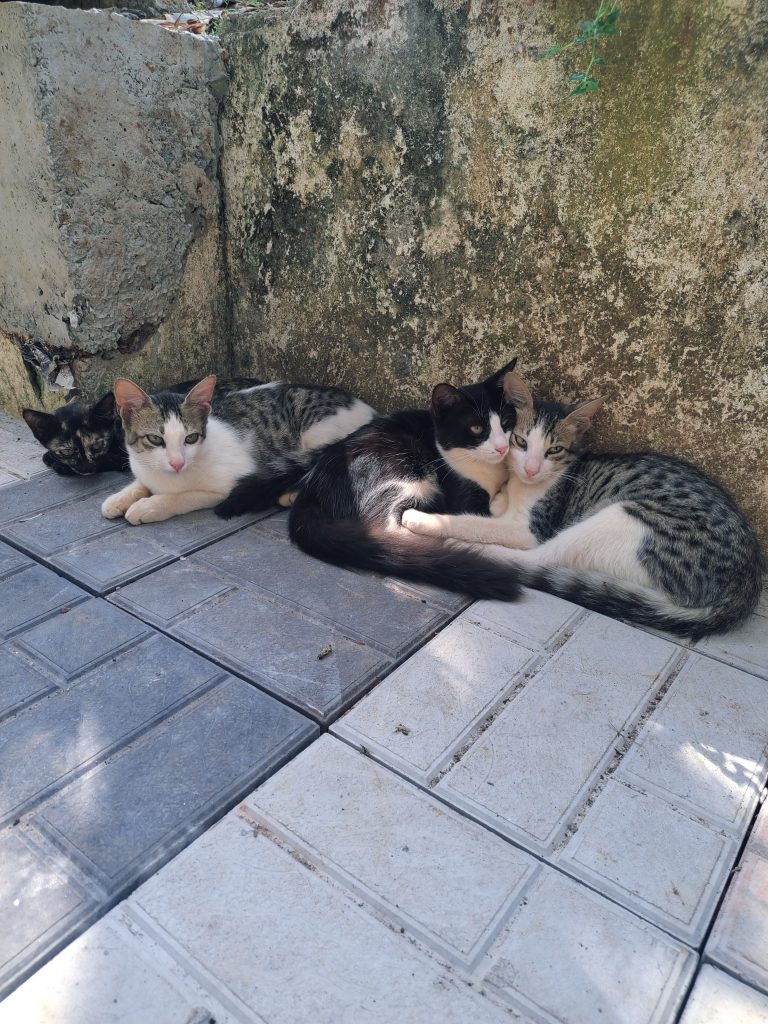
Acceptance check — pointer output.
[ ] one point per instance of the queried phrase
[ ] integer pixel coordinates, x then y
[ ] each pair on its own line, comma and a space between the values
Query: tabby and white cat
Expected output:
448, 458
83, 438
644, 537
187, 453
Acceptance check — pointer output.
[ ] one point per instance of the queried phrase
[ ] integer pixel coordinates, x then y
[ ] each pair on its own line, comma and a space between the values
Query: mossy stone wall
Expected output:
411, 197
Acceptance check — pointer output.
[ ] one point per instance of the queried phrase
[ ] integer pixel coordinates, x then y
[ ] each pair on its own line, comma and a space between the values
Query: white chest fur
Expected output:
521, 498
214, 464
487, 475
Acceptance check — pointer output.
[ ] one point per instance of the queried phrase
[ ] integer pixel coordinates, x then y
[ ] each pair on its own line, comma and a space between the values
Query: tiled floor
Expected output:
537, 817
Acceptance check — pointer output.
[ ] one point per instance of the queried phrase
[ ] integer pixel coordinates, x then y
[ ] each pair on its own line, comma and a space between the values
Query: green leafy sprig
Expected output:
591, 33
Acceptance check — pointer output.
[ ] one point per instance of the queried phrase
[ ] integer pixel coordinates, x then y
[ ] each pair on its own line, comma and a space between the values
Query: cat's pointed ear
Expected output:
517, 392
104, 409
199, 398
580, 418
43, 425
496, 380
445, 397
129, 398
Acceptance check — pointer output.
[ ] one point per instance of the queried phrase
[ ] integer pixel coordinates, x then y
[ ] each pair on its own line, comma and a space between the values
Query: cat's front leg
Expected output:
475, 529
117, 505
427, 524
159, 507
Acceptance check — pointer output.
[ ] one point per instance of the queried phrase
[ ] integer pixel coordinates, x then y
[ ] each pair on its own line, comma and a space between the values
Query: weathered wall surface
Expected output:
411, 197
111, 251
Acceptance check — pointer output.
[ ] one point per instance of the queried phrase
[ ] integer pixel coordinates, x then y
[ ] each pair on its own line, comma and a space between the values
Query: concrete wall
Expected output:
411, 197
403, 193
111, 251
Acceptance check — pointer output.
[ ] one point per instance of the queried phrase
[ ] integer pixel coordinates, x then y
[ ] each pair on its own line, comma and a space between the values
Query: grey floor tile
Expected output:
58, 520
48, 743
654, 859
435, 874
11, 560
745, 647
739, 939
117, 747
122, 819
291, 947
82, 636
49, 531
719, 999
536, 620
571, 957
419, 717
314, 635
705, 744
48, 491
7, 478
39, 906
31, 595
562, 727
359, 605
112, 975
20, 683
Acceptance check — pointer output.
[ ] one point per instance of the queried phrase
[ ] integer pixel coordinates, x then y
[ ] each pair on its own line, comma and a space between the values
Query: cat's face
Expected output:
78, 436
165, 432
474, 420
547, 435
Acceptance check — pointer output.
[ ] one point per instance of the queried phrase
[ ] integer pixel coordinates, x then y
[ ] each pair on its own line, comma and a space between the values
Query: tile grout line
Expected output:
701, 951
450, 616
108, 591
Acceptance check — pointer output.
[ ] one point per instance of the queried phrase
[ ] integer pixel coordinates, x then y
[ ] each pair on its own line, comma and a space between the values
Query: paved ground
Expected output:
541, 815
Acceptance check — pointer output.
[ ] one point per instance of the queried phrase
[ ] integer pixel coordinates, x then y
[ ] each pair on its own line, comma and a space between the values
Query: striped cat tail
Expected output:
352, 543
639, 605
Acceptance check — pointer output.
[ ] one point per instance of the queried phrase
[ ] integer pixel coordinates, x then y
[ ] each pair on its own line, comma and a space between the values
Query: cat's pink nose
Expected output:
530, 471
176, 464
502, 449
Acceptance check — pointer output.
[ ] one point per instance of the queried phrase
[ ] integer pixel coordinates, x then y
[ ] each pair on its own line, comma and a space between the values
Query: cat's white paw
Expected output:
148, 510
425, 523
114, 506
287, 499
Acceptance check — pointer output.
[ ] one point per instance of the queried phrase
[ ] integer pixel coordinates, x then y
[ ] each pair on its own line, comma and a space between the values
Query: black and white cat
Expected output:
83, 438
450, 458
644, 537
188, 452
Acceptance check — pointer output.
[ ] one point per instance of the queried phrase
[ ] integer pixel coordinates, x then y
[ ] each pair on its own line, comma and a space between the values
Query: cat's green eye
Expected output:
476, 429
191, 439
555, 449
521, 442
155, 440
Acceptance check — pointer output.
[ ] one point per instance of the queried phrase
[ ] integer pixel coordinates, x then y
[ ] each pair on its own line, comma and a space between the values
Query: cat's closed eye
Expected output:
65, 449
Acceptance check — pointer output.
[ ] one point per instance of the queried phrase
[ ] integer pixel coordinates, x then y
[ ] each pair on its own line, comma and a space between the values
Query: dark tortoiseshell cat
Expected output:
83, 438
